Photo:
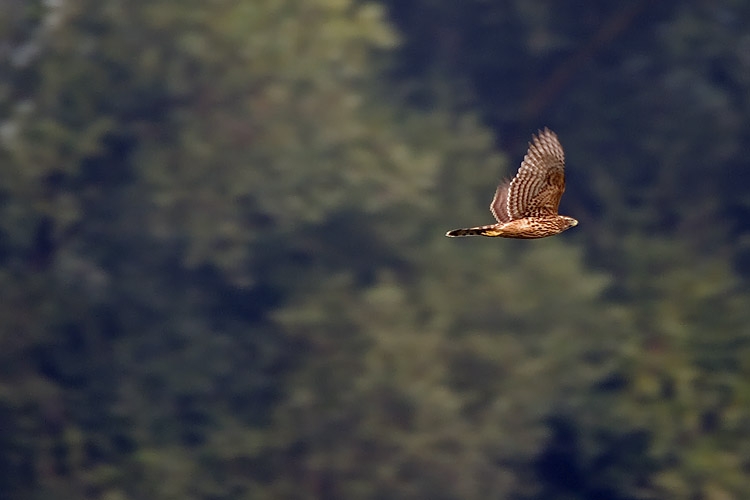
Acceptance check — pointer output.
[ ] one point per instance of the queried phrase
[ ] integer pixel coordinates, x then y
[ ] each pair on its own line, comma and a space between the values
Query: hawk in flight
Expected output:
526, 207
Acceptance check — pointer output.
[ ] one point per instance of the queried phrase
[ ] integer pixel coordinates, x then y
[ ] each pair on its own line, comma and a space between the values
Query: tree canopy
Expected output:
223, 273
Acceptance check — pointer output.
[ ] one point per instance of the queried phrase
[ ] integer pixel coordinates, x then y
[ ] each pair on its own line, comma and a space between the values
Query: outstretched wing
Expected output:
547, 201
499, 205
540, 182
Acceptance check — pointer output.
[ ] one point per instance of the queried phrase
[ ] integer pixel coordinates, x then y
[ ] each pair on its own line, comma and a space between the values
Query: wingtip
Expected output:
546, 131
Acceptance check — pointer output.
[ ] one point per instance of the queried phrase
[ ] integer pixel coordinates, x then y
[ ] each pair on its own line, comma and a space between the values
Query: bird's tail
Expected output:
490, 230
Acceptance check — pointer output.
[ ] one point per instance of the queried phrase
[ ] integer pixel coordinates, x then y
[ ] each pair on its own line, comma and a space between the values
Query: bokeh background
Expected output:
223, 270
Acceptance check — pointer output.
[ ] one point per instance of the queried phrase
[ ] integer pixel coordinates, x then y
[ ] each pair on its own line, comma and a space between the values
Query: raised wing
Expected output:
540, 182
547, 201
499, 205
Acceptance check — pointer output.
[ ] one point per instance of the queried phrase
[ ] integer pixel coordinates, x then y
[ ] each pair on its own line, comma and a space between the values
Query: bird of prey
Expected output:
526, 207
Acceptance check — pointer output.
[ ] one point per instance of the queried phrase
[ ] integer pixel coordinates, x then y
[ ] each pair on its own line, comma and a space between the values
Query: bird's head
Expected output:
569, 222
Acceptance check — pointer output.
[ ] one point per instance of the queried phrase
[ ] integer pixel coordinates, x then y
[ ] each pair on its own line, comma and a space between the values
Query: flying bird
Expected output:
526, 206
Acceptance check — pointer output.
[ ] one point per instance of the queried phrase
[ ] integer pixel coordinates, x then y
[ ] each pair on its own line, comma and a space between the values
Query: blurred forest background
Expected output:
223, 270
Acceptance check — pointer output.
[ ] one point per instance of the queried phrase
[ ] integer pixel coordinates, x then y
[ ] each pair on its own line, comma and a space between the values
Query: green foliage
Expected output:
223, 271
408, 392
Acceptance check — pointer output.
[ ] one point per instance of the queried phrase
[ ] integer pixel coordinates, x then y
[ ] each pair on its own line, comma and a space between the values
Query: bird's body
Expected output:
527, 228
526, 207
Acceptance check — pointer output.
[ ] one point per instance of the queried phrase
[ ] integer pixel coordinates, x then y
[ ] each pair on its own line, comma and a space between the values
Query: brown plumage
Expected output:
526, 207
